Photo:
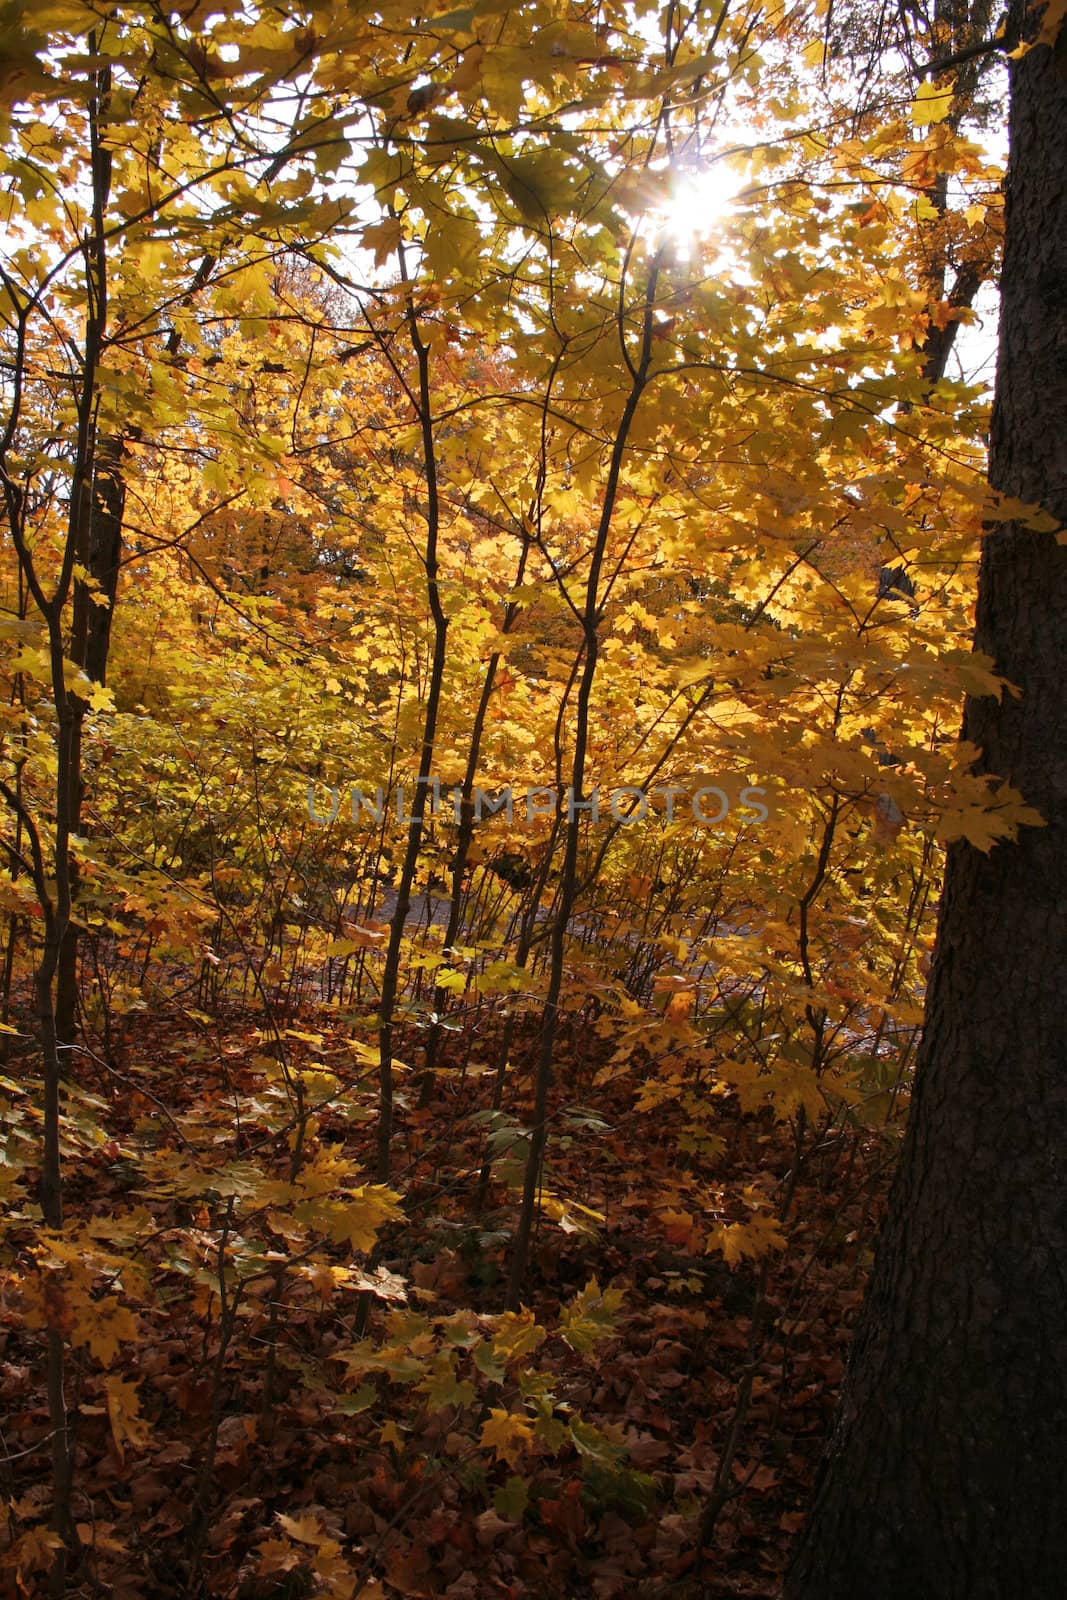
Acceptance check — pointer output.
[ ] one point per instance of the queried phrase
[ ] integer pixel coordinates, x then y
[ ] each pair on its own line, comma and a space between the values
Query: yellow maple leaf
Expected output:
932, 104
34, 1550
753, 1238
383, 237
276, 1555
517, 1334
507, 1434
101, 698
983, 827
124, 1415
101, 1324
307, 1529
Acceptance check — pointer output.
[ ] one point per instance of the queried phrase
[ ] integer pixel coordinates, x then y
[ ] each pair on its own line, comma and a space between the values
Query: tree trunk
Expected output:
90, 644
945, 1478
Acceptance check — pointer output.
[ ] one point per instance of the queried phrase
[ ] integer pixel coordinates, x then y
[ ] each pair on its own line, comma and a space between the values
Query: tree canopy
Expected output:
492, 511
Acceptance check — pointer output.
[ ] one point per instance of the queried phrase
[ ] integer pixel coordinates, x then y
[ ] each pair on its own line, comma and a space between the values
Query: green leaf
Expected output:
512, 1498
591, 1316
593, 1444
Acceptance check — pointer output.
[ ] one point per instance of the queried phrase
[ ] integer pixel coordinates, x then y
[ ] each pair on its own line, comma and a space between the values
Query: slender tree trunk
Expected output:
568, 878
99, 537
391, 970
944, 1478
89, 649
465, 836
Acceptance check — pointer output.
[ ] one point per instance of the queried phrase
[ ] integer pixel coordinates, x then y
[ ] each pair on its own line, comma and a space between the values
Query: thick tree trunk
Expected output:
945, 1478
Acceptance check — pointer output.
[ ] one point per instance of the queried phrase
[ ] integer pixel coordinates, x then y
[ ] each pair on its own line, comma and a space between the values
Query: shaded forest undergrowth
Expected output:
291, 1405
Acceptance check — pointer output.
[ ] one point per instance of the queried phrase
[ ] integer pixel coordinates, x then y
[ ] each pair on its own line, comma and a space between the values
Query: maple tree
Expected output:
457, 709
954, 1386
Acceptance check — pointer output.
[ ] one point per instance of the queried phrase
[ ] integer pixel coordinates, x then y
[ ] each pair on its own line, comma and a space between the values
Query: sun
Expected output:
699, 202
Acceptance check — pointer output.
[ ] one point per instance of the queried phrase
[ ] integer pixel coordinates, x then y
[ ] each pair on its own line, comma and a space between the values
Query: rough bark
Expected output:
944, 1478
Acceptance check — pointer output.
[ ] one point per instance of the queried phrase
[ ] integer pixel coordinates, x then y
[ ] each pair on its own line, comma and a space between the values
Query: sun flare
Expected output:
699, 202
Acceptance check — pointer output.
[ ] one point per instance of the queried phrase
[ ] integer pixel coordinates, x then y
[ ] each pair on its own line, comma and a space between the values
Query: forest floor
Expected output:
707, 1400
